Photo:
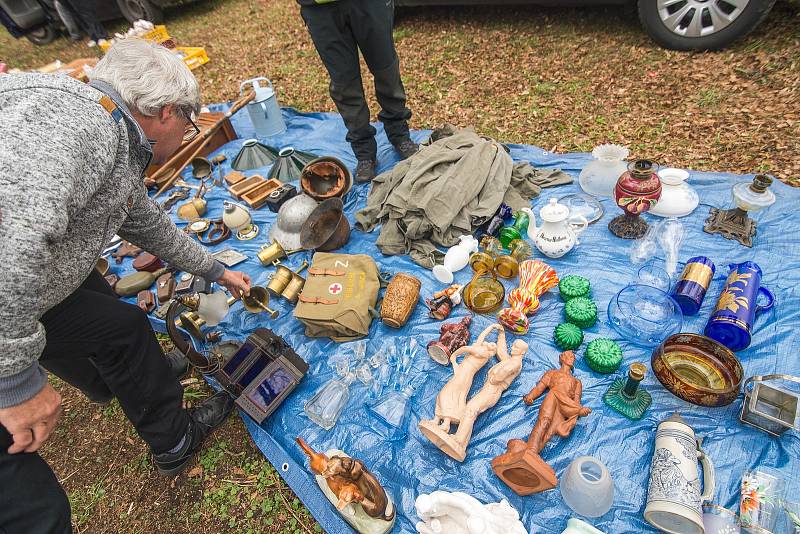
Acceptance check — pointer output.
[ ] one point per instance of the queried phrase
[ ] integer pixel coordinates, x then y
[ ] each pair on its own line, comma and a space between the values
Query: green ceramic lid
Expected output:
581, 311
572, 286
568, 336
603, 355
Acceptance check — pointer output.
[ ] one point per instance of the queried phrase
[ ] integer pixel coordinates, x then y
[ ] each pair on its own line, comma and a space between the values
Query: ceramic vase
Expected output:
456, 258
637, 190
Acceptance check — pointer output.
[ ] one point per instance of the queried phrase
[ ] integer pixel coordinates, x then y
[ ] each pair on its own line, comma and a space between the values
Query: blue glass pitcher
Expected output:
731, 323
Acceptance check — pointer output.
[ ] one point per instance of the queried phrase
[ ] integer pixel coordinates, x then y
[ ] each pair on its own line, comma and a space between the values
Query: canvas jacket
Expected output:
70, 178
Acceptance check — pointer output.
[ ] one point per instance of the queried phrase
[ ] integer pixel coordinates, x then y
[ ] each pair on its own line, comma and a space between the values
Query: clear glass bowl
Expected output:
644, 315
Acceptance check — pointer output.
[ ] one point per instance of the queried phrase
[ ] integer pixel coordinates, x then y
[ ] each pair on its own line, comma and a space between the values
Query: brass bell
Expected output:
258, 301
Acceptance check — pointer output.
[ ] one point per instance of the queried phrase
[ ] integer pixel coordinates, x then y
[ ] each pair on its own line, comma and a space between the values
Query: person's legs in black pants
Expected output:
333, 38
85, 10
372, 23
31, 499
94, 339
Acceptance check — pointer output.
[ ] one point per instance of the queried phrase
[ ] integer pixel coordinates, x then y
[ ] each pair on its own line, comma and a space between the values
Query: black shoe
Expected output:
203, 418
406, 148
178, 363
365, 171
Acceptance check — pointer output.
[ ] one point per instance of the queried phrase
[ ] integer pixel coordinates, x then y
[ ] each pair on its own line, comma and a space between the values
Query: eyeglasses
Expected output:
192, 130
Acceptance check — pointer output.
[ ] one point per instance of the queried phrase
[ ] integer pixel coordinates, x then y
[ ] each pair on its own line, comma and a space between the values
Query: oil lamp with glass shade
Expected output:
735, 223
237, 218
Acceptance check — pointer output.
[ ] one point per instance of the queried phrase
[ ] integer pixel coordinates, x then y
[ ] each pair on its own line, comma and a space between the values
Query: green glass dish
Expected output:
581, 311
567, 336
603, 355
574, 285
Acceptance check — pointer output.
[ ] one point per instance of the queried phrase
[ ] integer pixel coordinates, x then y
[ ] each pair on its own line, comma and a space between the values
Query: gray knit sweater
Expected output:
70, 178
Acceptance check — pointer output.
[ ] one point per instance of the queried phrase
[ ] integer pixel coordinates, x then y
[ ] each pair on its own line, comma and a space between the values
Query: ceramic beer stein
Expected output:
732, 321
674, 499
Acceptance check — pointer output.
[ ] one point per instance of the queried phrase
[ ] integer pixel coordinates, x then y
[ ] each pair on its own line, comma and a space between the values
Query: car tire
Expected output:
41, 36
747, 19
134, 10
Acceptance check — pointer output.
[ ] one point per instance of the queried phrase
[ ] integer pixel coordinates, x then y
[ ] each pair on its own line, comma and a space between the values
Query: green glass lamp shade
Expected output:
568, 336
572, 286
625, 396
581, 311
253, 155
289, 165
514, 231
603, 355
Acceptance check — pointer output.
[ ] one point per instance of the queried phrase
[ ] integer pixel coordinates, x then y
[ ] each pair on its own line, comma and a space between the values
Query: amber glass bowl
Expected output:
697, 369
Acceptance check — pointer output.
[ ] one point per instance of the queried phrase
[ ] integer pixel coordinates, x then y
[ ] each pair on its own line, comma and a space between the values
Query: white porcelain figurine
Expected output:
444, 512
559, 231
456, 259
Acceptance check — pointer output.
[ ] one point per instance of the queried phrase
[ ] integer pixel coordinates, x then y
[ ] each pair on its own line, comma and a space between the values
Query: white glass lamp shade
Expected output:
213, 307
587, 487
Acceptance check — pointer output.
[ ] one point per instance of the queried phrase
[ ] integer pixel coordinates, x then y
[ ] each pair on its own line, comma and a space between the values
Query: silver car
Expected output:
675, 24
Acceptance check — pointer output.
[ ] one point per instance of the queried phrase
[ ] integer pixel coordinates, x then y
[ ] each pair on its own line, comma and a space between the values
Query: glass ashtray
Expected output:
583, 204
644, 315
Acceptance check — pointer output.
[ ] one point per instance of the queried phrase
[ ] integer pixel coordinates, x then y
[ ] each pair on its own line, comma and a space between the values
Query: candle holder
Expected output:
735, 223
483, 261
507, 265
514, 231
535, 278
625, 396
637, 190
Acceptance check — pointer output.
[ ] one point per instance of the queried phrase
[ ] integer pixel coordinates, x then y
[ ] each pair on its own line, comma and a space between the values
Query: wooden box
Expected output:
248, 184
257, 196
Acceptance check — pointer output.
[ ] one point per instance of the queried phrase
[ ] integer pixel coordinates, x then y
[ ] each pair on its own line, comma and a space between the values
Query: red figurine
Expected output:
637, 190
452, 336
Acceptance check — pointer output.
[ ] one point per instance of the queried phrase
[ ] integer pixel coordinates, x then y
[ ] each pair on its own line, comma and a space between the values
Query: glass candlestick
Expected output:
735, 223
625, 396
514, 231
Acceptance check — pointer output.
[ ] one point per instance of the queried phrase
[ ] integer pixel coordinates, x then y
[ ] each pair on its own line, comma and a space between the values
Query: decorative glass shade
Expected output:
289, 165
253, 155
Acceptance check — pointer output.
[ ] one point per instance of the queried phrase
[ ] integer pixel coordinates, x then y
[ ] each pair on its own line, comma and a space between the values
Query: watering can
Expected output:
265, 113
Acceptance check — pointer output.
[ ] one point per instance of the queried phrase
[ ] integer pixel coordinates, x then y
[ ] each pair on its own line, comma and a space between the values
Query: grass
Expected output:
563, 79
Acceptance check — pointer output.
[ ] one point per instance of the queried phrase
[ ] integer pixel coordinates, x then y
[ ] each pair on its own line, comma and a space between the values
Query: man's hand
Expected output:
31, 422
236, 282
585, 411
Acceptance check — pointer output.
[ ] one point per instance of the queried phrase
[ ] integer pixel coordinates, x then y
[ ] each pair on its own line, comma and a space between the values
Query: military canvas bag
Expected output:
339, 297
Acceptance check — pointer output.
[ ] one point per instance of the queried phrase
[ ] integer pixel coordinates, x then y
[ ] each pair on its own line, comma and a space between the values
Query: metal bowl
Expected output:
697, 369
326, 228
325, 178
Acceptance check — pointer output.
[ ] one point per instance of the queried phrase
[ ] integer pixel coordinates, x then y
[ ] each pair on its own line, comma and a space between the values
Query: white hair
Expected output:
148, 77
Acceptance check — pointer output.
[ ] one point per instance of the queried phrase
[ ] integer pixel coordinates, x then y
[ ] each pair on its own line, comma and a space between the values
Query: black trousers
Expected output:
105, 347
339, 29
87, 18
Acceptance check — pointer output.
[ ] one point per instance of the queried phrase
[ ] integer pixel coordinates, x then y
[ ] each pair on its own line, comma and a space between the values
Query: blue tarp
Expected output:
415, 466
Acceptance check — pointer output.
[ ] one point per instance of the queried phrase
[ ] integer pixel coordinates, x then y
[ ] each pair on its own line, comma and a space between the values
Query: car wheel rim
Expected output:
699, 18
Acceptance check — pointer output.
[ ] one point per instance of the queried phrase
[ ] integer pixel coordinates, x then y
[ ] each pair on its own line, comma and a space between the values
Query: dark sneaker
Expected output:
178, 363
203, 418
406, 148
365, 171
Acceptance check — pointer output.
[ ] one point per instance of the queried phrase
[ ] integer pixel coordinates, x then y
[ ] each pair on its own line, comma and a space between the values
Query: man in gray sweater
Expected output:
72, 160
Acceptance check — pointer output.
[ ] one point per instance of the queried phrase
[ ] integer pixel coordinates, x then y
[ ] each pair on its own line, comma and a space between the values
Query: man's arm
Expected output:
537, 391
150, 228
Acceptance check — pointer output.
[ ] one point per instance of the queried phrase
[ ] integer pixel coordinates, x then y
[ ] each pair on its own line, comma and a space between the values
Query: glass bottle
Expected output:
325, 406
625, 396
516, 230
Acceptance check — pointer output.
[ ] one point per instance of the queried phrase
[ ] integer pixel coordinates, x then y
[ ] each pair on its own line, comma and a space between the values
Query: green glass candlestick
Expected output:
514, 231
625, 396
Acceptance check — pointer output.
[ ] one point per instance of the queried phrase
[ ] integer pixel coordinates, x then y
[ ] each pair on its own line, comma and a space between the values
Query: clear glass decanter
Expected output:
326, 405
